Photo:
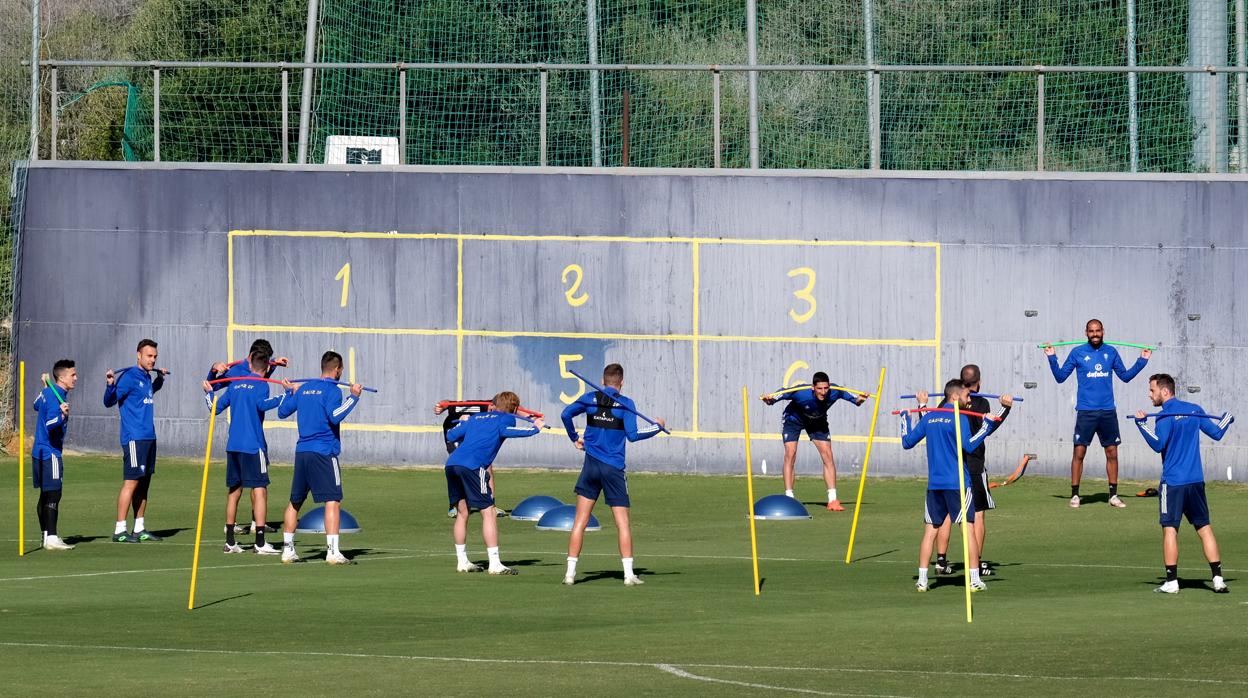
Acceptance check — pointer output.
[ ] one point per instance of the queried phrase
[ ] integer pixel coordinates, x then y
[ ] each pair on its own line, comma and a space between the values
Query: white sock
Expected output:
331, 542
492, 553
138, 524
788, 493
628, 566
45, 536
975, 576
832, 495
461, 554
922, 575
288, 539
571, 567
120, 527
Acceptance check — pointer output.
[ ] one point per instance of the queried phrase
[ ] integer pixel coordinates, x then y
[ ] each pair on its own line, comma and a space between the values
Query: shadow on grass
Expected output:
868, 557
169, 532
618, 575
228, 598
1200, 584
75, 540
1085, 499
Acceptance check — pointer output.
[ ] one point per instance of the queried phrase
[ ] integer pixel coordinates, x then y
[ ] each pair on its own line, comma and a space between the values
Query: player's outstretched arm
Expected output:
1126, 374
1156, 433
336, 408
570, 412
631, 430
1216, 430
288, 406
1060, 373
116, 389
911, 435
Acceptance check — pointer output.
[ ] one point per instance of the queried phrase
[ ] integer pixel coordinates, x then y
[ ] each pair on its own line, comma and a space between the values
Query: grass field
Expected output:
1071, 612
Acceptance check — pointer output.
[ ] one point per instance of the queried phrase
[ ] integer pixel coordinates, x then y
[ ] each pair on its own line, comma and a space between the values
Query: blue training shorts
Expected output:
246, 469
138, 459
318, 474
472, 485
816, 432
598, 477
47, 472
1177, 501
941, 504
1102, 423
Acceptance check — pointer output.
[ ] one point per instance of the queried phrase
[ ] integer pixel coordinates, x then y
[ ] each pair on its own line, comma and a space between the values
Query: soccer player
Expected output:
808, 409
1096, 363
611, 420
454, 413
133, 390
470, 473
979, 479
1182, 489
321, 411
943, 499
47, 465
247, 452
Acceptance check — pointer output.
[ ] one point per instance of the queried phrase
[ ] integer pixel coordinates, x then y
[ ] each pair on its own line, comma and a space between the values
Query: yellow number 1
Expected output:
574, 300
804, 294
564, 360
344, 275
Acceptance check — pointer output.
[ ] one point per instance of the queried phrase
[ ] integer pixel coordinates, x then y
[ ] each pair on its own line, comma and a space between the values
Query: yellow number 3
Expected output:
577, 274
804, 294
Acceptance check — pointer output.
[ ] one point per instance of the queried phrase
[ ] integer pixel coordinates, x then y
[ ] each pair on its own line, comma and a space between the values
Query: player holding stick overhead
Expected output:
1182, 489
321, 411
470, 473
611, 421
47, 465
1096, 363
808, 410
133, 391
943, 500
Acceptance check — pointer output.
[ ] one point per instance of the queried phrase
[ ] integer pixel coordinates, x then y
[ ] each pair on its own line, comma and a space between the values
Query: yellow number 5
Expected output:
344, 275
577, 274
564, 360
804, 294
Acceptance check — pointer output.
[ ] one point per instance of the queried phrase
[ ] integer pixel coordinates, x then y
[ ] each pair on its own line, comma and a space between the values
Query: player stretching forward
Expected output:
808, 409
943, 499
47, 465
133, 391
247, 452
611, 419
470, 472
1096, 363
1182, 489
321, 410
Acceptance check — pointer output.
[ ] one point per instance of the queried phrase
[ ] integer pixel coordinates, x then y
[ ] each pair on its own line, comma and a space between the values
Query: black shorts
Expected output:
980, 492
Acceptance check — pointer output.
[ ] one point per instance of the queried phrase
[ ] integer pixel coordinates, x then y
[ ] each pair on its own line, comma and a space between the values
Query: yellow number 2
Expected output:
804, 294
574, 300
564, 360
344, 275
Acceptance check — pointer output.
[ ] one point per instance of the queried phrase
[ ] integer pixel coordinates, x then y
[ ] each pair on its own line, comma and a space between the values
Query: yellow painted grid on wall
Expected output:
694, 337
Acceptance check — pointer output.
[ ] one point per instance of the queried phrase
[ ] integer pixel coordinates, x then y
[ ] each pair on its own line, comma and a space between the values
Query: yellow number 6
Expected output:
574, 300
804, 294
564, 360
793, 368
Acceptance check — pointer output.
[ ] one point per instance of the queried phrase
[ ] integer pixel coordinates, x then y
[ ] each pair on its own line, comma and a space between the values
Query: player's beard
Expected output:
1096, 343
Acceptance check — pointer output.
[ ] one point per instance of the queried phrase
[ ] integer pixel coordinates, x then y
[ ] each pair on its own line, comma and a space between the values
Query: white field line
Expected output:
174, 569
675, 671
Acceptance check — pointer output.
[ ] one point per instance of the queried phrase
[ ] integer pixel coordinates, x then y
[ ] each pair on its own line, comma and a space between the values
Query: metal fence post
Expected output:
34, 80
542, 79
1039, 119
873, 81
1241, 82
285, 116
751, 49
402, 117
305, 100
715, 100
56, 98
1133, 110
1213, 121
156, 114
595, 107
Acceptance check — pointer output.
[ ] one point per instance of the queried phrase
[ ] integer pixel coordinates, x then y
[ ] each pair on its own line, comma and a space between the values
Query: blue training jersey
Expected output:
133, 391
942, 445
52, 424
1177, 439
482, 435
806, 409
1094, 370
611, 421
238, 369
247, 402
321, 410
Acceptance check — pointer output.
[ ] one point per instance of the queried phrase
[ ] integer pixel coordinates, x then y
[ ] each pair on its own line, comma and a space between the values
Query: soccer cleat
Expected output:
569, 580
55, 543
232, 548
1219, 586
835, 505
1170, 587
1117, 503
242, 528
978, 586
1074, 502
149, 536
125, 537
289, 555
985, 570
632, 580
502, 570
265, 549
921, 586
467, 567
943, 568
337, 558
452, 512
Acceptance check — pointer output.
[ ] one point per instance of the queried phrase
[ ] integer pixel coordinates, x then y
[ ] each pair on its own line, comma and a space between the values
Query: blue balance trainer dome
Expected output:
777, 507
532, 508
561, 518
314, 522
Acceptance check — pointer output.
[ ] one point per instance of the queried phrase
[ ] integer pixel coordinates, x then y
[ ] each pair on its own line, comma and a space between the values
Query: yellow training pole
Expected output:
866, 460
21, 449
203, 491
749, 487
966, 544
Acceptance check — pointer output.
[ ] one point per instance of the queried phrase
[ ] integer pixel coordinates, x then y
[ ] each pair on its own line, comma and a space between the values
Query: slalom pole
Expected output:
862, 480
203, 491
749, 487
21, 448
966, 544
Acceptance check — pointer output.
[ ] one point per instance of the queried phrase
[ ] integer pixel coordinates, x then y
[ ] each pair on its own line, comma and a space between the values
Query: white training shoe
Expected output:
452, 512
1219, 585
921, 586
1074, 502
1170, 587
1117, 503
978, 586
946, 568
467, 567
55, 543
503, 570
632, 580
289, 555
337, 558
266, 549
232, 548
569, 580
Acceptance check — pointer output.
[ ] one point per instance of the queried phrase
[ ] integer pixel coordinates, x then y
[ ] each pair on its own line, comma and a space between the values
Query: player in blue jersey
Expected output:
808, 410
247, 452
321, 411
470, 474
1182, 489
611, 421
133, 391
47, 465
943, 499
1095, 364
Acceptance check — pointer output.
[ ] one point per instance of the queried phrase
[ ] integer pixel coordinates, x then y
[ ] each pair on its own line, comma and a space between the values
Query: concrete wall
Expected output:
687, 279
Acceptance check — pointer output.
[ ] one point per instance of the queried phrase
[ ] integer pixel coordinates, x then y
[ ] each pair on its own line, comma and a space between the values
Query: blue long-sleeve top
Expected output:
247, 402
942, 445
1177, 439
610, 422
52, 424
133, 391
1095, 368
321, 411
482, 435
806, 409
